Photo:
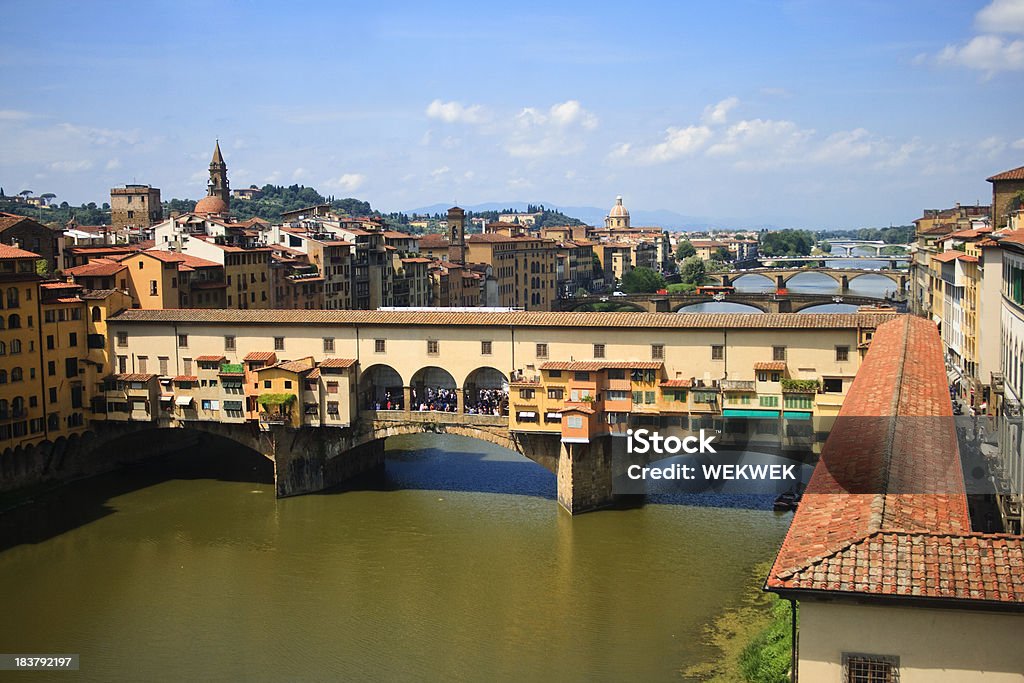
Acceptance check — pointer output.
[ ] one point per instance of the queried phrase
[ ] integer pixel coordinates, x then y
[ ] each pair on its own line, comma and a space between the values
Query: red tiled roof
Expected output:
1012, 174
677, 383
891, 541
771, 365
314, 374
298, 366
134, 377
98, 267
446, 318
947, 256
337, 362
209, 359
186, 378
7, 251
269, 356
593, 366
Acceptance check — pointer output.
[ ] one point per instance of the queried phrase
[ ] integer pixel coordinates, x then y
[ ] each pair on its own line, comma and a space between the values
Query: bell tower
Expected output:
456, 235
218, 184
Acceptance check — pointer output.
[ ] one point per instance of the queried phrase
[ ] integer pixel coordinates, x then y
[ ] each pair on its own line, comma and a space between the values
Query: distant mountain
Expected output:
592, 215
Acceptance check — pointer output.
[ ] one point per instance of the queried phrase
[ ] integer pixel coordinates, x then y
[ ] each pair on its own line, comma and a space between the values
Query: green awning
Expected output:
791, 415
761, 414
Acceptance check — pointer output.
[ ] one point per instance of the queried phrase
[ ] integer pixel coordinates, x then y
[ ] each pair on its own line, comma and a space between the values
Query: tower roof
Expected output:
218, 158
618, 211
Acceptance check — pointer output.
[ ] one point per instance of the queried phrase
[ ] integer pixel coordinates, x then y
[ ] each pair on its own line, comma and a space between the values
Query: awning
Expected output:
183, 401
793, 415
760, 414
166, 398
524, 413
554, 416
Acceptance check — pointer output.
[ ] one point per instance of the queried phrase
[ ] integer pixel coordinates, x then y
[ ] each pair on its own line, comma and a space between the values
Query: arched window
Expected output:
18, 406
5, 411
97, 314
13, 321
15, 346
2, 322
12, 297
3, 349
16, 375
3, 377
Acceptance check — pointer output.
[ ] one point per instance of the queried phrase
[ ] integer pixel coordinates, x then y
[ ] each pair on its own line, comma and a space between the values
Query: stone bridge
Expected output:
768, 302
312, 459
843, 276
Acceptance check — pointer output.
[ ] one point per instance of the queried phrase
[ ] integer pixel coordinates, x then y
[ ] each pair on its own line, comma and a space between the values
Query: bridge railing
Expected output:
434, 417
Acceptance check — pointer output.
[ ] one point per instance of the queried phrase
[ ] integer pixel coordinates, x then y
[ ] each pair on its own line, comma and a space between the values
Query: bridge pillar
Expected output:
844, 282
780, 282
903, 284
726, 280
313, 459
407, 398
585, 475
661, 305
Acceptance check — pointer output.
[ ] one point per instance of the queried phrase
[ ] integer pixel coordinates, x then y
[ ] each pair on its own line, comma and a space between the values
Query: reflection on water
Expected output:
454, 564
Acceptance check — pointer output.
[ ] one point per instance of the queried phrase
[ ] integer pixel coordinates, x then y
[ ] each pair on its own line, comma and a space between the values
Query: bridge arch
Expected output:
806, 274
895, 279
434, 388
379, 384
724, 306
748, 281
485, 391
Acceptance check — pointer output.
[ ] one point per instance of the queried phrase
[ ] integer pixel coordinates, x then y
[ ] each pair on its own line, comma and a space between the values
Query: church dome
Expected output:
211, 204
618, 211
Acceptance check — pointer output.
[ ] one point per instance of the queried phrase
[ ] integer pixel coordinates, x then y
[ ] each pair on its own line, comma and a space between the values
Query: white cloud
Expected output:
456, 112
716, 114
844, 146
558, 131
1001, 16
985, 53
346, 182
438, 172
14, 115
300, 173
113, 165
1018, 144
71, 166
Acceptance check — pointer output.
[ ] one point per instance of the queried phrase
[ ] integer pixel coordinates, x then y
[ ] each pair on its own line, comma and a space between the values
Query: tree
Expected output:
693, 271
722, 254
787, 243
826, 247
685, 250
582, 292
47, 197
26, 193
642, 281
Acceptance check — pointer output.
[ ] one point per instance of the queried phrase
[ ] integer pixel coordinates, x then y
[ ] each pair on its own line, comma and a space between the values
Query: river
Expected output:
455, 563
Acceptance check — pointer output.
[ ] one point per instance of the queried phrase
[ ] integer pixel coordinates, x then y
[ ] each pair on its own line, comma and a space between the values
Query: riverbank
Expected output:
753, 638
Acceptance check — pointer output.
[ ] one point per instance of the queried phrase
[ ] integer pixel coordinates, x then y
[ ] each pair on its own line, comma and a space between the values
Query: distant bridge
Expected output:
877, 245
766, 302
892, 260
842, 276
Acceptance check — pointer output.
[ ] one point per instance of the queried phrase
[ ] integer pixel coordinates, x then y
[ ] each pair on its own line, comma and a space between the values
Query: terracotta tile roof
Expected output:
1010, 236
1012, 174
577, 409
298, 366
65, 300
98, 267
98, 293
210, 359
186, 378
7, 251
433, 241
677, 383
314, 374
806, 321
134, 377
947, 256
594, 366
269, 356
337, 362
771, 365
888, 541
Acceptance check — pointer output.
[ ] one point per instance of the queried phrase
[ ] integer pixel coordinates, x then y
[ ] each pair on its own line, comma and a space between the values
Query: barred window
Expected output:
485, 348
861, 668
378, 346
842, 353
542, 350
717, 352
778, 353
433, 346
598, 350
657, 352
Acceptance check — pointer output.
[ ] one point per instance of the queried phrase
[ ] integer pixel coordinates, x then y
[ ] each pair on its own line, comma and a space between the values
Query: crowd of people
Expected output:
488, 402
436, 399
440, 399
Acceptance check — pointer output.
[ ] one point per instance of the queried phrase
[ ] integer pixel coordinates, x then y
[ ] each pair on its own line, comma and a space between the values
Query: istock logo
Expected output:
643, 441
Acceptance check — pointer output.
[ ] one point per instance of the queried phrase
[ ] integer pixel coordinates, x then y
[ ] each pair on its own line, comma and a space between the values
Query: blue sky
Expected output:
805, 113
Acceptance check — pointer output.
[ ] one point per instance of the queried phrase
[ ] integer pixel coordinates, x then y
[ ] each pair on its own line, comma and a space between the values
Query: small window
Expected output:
542, 350
122, 339
842, 354
279, 343
581, 376
717, 352
598, 350
657, 352
287, 384
328, 344
574, 422
163, 365
182, 340
267, 384
616, 373
832, 385
859, 668
229, 343
73, 339
778, 353
433, 347
378, 346
556, 394
526, 393
485, 348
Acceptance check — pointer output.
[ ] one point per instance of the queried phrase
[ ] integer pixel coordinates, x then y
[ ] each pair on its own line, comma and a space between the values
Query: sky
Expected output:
801, 113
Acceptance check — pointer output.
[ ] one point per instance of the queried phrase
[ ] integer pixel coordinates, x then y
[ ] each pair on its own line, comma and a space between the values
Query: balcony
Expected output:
274, 418
737, 385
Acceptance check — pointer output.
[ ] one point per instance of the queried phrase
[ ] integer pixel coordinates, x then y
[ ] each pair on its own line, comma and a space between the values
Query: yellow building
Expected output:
525, 268
22, 412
